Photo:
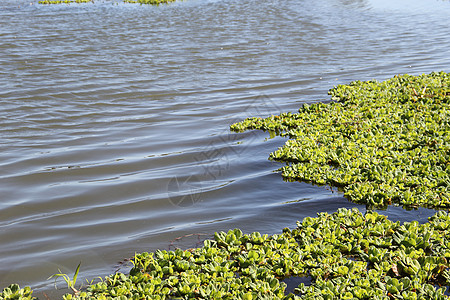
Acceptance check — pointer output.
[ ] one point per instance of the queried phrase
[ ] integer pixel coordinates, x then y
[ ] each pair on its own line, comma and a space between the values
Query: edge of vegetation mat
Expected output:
382, 142
347, 255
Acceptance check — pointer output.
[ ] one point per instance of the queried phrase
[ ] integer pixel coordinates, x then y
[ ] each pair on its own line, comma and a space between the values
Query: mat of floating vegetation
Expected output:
346, 255
382, 142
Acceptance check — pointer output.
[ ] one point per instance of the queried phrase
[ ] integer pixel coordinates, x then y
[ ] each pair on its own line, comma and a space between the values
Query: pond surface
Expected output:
114, 118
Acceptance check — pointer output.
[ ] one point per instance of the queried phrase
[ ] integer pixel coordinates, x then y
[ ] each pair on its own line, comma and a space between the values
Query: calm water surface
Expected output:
114, 118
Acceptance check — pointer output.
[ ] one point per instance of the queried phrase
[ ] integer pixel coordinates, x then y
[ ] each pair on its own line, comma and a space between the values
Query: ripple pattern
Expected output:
114, 117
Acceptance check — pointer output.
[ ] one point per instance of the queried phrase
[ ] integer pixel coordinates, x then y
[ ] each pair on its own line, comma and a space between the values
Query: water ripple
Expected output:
114, 117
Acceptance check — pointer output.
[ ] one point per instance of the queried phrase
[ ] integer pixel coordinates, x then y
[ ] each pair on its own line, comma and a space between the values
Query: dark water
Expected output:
114, 118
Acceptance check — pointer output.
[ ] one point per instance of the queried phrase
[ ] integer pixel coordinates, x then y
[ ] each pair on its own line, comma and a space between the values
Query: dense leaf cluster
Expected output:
383, 142
15, 292
355, 256
347, 255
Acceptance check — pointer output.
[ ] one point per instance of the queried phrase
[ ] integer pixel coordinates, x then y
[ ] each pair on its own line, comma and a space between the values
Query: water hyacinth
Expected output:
382, 142
347, 255
15, 292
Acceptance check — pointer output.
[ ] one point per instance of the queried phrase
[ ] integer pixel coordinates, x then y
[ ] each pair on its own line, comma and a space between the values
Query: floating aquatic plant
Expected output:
347, 255
382, 142
15, 292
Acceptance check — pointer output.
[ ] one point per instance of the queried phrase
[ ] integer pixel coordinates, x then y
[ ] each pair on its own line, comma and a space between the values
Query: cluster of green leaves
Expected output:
369, 257
64, 1
347, 254
382, 142
225, 268
15, 292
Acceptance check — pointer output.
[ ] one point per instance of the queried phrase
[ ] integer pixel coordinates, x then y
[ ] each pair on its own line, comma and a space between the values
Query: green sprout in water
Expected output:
70, 282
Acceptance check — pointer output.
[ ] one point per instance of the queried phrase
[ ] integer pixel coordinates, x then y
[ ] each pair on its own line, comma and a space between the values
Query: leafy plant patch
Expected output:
347, 255
382, 142
15, 292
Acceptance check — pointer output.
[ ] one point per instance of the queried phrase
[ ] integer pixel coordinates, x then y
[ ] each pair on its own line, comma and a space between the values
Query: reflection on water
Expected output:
114, 118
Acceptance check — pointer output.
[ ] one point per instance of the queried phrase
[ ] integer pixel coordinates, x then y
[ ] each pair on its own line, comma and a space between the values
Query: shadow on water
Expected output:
294, 282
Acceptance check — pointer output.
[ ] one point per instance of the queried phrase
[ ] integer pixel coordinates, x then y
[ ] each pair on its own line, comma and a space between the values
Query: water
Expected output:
114, 118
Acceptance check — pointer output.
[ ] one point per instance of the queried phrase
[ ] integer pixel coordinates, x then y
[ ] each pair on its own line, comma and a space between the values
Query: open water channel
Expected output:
114, 118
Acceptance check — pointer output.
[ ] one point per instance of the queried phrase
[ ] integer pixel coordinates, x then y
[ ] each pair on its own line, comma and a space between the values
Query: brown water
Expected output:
114, 118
